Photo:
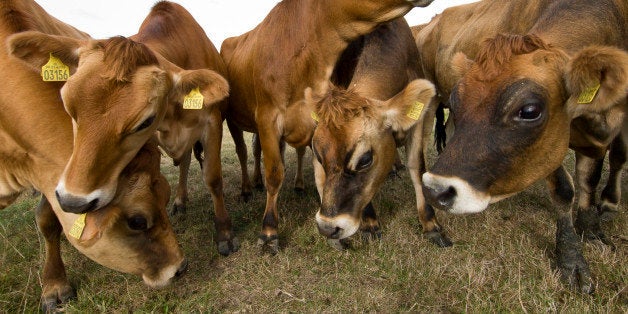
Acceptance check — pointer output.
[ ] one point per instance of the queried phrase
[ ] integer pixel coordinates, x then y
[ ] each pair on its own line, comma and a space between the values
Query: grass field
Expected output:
501, 260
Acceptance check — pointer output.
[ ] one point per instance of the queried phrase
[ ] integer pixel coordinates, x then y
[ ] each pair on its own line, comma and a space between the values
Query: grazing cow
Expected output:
296, 46
528, 96
126, 89
132, 234
377, 107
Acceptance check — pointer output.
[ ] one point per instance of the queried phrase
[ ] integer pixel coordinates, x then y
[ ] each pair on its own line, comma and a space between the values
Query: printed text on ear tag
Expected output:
77, 228
193, 100
415, 111
587, 95
314, 116
55, 70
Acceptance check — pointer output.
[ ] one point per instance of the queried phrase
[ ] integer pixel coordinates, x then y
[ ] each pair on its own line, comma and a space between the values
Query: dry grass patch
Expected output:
501, 260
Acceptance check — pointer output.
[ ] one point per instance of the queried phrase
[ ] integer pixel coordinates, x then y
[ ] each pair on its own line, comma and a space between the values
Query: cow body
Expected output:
523, 99
295, 47
126, 89
358, 131
131, 234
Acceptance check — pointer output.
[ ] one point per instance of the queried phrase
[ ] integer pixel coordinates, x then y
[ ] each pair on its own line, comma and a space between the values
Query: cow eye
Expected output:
531, 111
148, 122
138, 223
365, 161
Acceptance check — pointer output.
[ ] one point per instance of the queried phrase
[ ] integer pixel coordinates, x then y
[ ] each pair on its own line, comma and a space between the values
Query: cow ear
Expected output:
460, 64
35, 48
596, 79
405, 109
96, 223
211, 85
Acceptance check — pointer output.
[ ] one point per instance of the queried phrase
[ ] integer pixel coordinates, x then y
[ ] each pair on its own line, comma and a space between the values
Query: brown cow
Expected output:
360, 125
524, 100
126, 89
131, 234
296, 46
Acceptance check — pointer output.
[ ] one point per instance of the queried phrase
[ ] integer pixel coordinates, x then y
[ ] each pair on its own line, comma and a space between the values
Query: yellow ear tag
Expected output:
194, 100
77, 228
415, 111
314, 116
587, 95
55, 70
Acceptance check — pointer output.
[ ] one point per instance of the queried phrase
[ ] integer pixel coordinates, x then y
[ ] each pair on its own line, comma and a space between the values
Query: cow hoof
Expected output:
226, 247
588, 225
51, 298
371, 234
268, 244
439, 239
607, 213
339, 244
178, 209
246, 196
573, 268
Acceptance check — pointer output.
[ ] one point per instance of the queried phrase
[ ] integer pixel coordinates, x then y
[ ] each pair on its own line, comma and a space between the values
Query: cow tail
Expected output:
440, 135
198, 153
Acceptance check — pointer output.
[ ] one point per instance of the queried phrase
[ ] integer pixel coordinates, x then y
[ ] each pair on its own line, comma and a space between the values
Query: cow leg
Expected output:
588, 173
181, 198
416, 167
299, 183
612, 192
56, 287
212, 175
257, 163
571, 264
370, 224
240, 146
274, 176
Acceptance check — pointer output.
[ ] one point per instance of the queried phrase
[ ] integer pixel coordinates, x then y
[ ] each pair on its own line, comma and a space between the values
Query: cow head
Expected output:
133, 234
512, 109
354, 150
117, 96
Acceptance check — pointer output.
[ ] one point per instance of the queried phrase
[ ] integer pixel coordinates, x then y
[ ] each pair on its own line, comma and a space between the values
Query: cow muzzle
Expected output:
453, 194
166, 275
339, 227
79, 204
420, 3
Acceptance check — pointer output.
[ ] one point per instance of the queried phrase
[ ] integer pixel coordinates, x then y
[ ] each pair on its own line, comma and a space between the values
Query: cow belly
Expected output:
10, 187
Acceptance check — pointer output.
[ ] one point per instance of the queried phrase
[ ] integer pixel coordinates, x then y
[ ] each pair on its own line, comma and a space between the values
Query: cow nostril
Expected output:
91, 205
336, 233
447, 197
76, 205
182, 269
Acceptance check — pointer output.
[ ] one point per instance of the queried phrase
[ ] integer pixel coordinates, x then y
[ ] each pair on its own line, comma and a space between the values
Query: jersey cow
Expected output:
295, 47
124, 90
523, 99
132, 234
377, 104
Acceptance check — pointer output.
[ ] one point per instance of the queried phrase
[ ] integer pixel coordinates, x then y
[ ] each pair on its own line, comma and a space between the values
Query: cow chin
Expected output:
163, 278
454, 195
338, 227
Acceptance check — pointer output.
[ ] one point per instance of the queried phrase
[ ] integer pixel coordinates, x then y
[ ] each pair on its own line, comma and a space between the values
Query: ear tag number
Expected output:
415, 111
193, 100
314, 116
77, 228
55, 70
587, 95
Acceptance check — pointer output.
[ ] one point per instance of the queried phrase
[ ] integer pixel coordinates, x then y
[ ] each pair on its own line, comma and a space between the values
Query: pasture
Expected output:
501, 260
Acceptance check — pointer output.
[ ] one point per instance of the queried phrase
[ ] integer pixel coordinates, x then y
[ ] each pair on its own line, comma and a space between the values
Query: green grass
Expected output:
501, 260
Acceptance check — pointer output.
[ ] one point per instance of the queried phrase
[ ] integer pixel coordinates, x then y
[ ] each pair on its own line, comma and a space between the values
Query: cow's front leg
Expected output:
258, 182
274, 176
612, 192
56, 287
588, 173
299, 183
416, 167
571, 264
212, 175
240, 147
181, 198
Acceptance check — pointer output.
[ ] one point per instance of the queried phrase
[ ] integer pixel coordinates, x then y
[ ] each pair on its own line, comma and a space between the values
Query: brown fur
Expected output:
339, 106
122, 57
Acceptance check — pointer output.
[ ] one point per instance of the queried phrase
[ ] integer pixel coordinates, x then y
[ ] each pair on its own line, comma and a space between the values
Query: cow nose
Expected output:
76, 205
330, 231
441, 197
182, 269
